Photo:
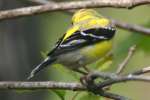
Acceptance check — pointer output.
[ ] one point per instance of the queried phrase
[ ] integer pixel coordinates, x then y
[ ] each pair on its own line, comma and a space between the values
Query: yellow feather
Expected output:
84, 14
71, 31
97, 51
94, 23
103, 22
86, 19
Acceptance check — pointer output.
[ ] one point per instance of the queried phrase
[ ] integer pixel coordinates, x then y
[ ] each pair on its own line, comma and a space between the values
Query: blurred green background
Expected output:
23, 41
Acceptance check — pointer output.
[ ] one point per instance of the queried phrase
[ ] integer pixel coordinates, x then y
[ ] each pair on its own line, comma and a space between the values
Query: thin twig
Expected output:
109, 95
114, 79
121, 66
141, 71
125, 79
74, 96
40, 1
131, 27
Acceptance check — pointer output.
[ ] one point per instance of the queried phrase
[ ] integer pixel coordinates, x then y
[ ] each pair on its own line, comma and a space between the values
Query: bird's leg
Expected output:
83, 78
85, 73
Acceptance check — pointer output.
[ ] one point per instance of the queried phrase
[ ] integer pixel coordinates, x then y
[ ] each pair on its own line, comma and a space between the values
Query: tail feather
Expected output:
41, 66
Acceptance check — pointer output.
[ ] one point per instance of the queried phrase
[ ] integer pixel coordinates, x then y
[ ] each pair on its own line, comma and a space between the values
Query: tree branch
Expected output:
41, 85
27, 11
96, 88
131, 27
39, 2
141, 71
113, 79
49, 6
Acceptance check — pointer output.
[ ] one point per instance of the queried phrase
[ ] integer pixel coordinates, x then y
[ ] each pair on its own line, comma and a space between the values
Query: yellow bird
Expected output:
88, 40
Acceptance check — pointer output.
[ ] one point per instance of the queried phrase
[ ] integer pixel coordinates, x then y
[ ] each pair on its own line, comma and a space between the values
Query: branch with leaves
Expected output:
88, 83
97, 88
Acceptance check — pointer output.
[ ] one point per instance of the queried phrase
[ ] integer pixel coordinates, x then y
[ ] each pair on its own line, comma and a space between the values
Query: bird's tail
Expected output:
41, 66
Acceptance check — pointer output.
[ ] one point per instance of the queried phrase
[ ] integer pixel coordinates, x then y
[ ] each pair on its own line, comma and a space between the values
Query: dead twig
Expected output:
122, 65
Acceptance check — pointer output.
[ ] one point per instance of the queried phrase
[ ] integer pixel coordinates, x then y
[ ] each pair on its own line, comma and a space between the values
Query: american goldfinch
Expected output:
88, 39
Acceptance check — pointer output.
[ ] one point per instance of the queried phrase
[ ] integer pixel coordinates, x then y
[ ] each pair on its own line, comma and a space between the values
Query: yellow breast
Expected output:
97, 51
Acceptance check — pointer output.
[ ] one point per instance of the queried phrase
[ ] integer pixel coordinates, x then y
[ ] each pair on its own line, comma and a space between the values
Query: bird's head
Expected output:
84, 15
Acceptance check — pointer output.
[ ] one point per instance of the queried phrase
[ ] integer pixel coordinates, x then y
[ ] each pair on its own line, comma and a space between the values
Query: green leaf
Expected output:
63, 70
89, 96
105, 65
60, 93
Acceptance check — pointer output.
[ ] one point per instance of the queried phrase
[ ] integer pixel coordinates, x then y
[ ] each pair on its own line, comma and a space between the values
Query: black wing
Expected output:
82, 38
56, 46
